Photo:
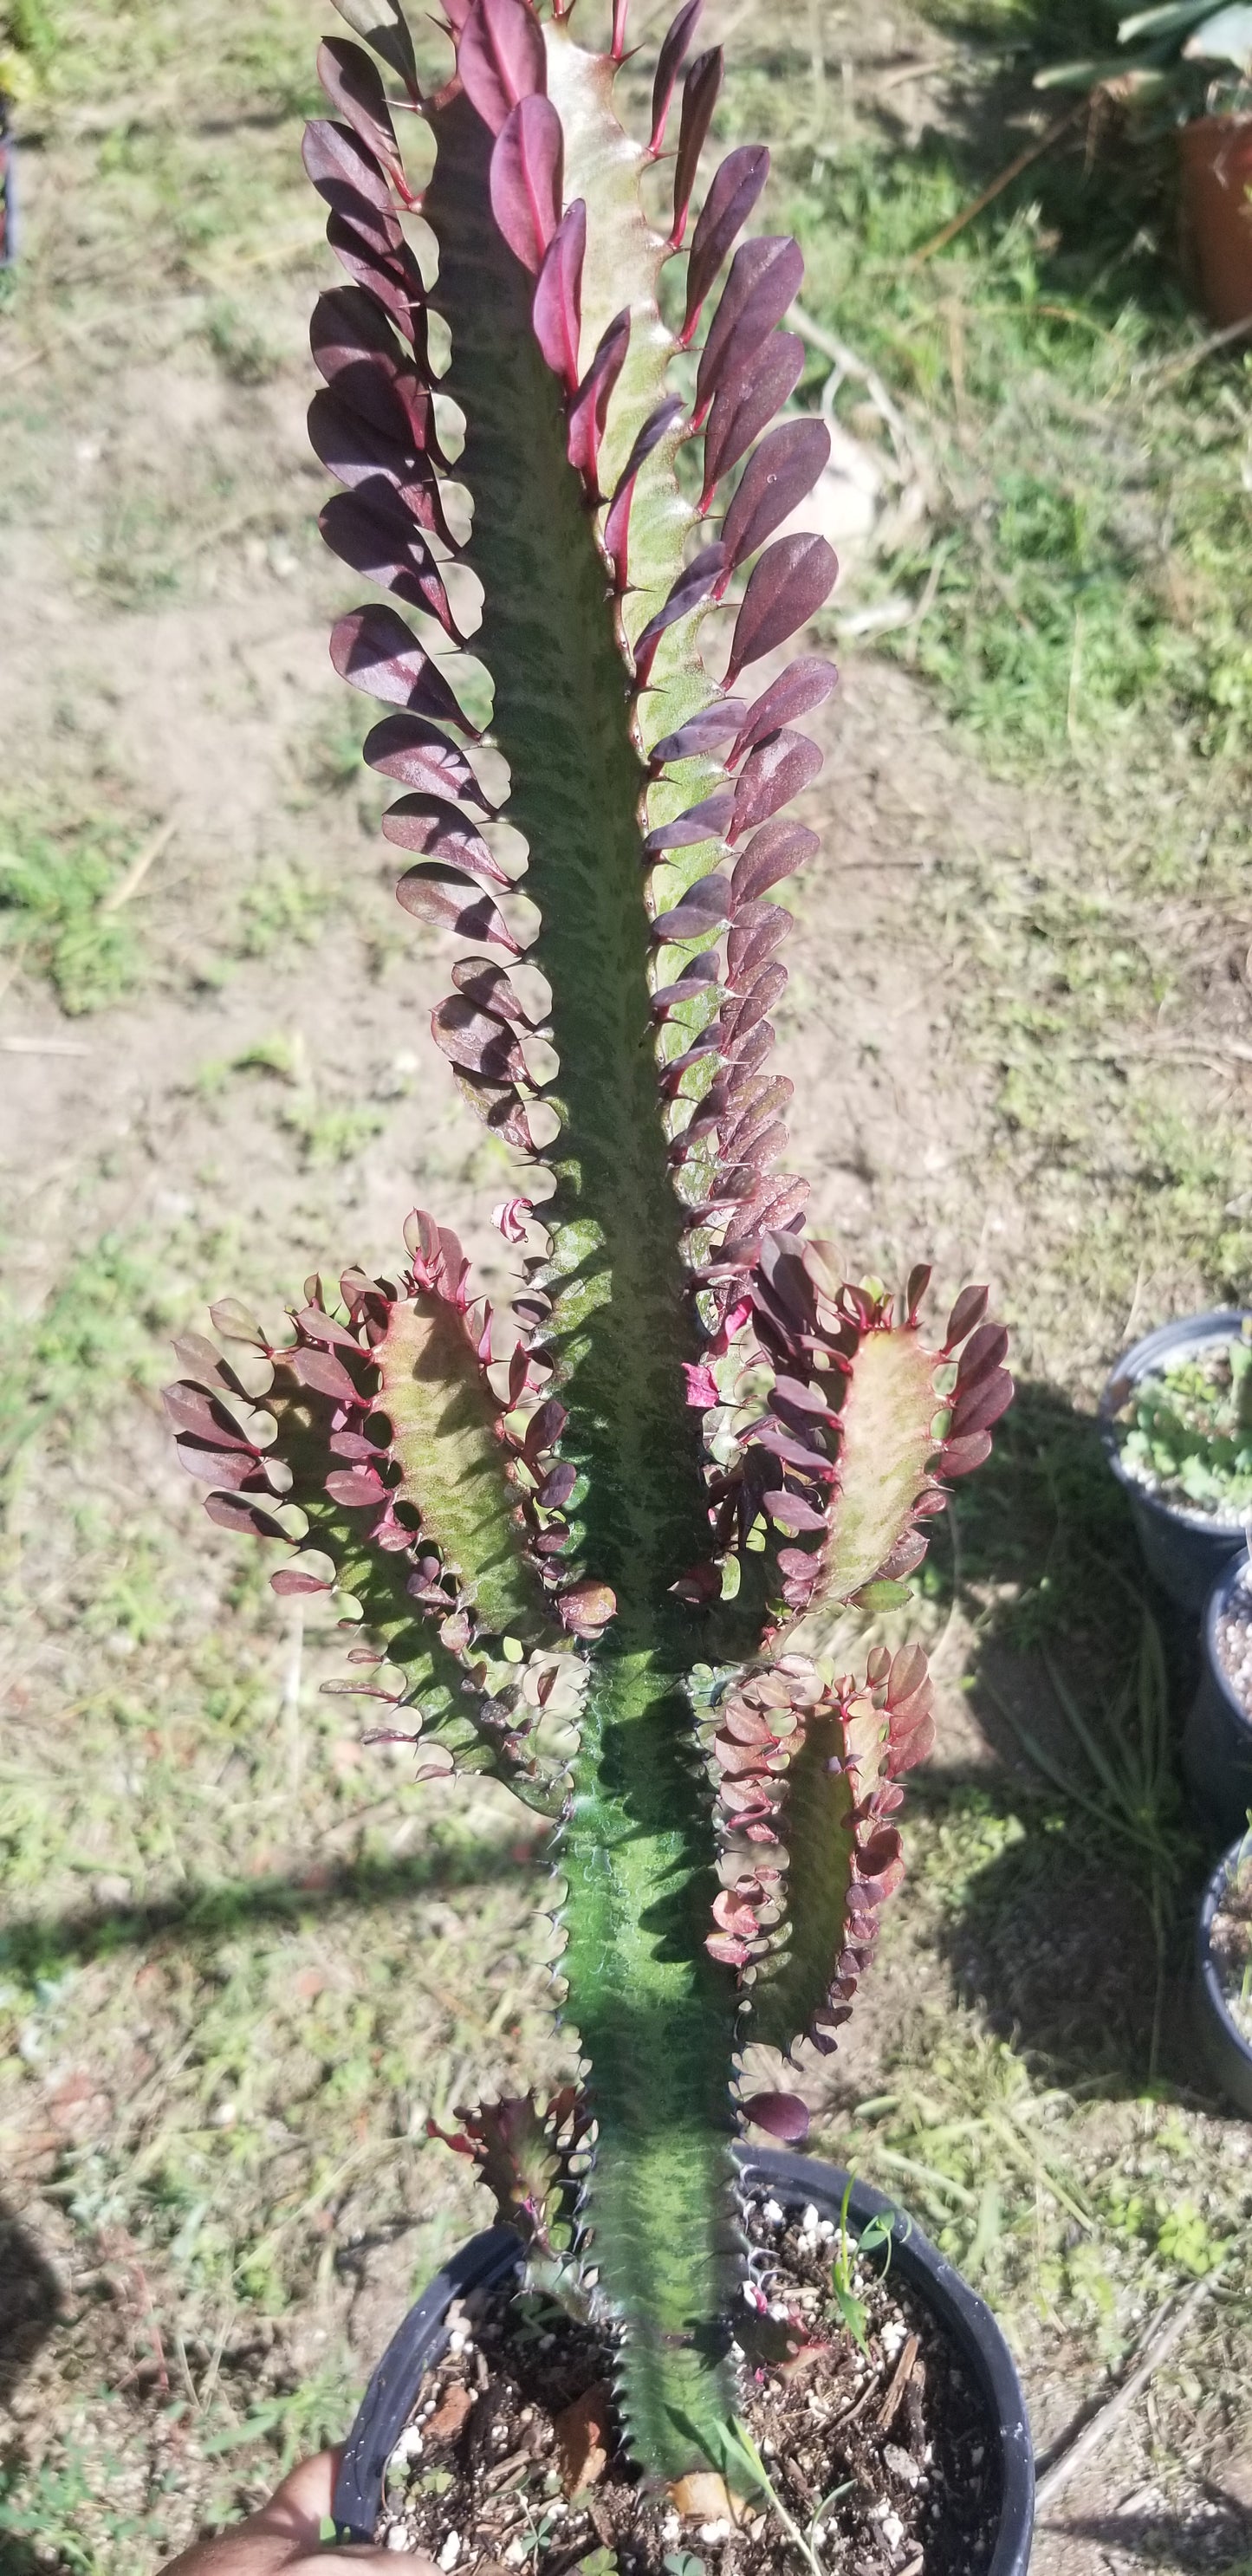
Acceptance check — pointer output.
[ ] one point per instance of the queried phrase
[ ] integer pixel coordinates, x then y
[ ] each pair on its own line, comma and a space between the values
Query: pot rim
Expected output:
487, 2257
1206, 1964
1237, 1573
1217, 1323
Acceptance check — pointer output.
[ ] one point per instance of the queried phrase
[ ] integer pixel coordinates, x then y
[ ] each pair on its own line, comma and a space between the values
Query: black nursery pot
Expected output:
1184, 1551
1217, 1737
794, 2180
1228, 2052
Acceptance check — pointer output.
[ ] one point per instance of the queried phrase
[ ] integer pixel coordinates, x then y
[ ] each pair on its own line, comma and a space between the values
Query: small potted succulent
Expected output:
578, 1536
1217, 1738
1189, 66
1176, 1417
1224, 1972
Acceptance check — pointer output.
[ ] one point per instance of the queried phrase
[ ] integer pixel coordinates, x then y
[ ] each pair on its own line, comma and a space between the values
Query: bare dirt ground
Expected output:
244, 1959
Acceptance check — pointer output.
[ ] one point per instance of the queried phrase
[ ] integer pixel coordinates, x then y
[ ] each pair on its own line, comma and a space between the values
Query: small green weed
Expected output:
69, 1363
286, 904
54, 890
240, 344
333, 1134
1190, 1428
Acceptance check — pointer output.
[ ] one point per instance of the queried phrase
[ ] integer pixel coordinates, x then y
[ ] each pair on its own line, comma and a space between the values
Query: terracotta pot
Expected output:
1216, 210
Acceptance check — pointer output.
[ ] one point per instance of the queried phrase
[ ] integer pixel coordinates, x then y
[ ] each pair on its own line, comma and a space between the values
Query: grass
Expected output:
242, 1958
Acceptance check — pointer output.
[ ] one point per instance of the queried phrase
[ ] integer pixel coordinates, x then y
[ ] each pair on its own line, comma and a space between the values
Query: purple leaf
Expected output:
713, 724
235, 1324
420, 756
703, 907
500, 58
617, 523
357, 453
377, 652
790, 1512
781, 767
755, 933
736, 185
777, 850
382, 24
324, 1373
558, 1486
355, 1487
706, 822
392, 277
805, 684
231, 1512
786, 587
589, 411
488, 987
765, 278
201, 1362
976, 1407
443, 897
557, 308
526, 174
190, 1409
745, 404
700, 89
292, 1578
357, 352
349, 179
960, 1457
756, 994
986, 1349
694, 585
236, 1468
469, 1038
698, 973
429, 824
785, 467
783, 2115
370, 530
356, 93
669, 63
969, 1310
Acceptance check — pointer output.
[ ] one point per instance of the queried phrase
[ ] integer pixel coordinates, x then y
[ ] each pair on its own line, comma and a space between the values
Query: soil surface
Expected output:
880, 2452
1231, 1941
1234, 1646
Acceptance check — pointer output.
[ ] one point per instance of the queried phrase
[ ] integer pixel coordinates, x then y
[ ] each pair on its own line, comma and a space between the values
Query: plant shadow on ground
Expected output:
1075, 1936
30, 2302
1220, 2545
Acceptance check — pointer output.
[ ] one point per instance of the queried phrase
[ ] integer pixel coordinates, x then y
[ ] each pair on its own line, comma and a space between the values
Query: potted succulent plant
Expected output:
1224, 1972
1190, 66
1176, 1418
578, 1536
1217, 1738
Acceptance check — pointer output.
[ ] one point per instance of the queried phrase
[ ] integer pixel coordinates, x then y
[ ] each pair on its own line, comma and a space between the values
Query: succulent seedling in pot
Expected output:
580, 1533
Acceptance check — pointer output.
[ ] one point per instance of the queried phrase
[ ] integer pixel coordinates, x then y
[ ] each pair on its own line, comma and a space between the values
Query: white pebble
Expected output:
892, 2530
671, 2528
450, 2551
772, 2214
892, 2337
810, 2221
397, 2539
515, 2554
409, 2446
712, 2531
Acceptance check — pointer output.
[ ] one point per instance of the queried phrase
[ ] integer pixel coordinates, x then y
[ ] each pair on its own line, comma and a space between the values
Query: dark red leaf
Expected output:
498, 1107
200, 1361
790, 1512
500, 58
389, 35
469, 1038
232, 1512
291, 1578
781, 767
765, 278
356, 93
976, 1407
429, 824
314, 1325
235, 1324
969, 1310
735, 187
805, 684
350, 180
694, 585
420, 756
377, 652
617, 523
589, 410
448, 900
357, 352
960, 1457
392, 277
986, 1349
698, 973
357, 453
354, 1446
700, 89
526, 173
488, 987
786, 587
190, 1409
777, 850
754, 934
705, 822
324, 1373
918, 1283
586, 1608
669, 63
703, 907
557, 308
777, 1204
756, 994
558, 1486
775, 480
713, 724
371, 530
745, 404
354, 1487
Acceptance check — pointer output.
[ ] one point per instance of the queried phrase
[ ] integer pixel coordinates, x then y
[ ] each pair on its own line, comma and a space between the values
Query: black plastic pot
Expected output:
1228, 2052
1184, 1551
1217, 1737
794, 2180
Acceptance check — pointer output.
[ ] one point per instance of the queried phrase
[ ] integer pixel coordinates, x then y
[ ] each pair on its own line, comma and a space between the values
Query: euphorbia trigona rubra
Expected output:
579, 1532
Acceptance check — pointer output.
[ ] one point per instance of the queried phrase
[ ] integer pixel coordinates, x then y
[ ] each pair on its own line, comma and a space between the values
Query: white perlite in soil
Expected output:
1234, 1642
